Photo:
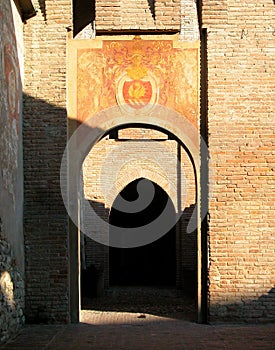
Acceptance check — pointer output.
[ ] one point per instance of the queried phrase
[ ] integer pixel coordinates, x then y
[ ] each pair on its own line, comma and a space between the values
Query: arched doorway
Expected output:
85, 137
155, 276
149, 265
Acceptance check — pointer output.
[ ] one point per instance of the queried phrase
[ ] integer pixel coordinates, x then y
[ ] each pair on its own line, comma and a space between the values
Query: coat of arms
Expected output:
137, 87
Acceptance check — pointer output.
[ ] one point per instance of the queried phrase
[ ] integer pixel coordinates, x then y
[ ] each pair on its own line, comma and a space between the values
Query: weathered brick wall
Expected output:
143, 15
11, 171
189, 25
167, 14
241, 123
138, 15
44, 142
12, 292
241, 126
45, 130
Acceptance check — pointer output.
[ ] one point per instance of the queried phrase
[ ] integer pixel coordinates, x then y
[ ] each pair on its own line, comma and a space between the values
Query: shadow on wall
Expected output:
94, 259
83, 14
187, 254
261, 310
44, 139
151, 4
46, 233
42, 6
45, 217
47, 264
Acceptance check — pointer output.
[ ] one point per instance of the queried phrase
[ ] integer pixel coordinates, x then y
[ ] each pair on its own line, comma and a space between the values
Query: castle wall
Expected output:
240, 83
240, 52
45, 134
11, 171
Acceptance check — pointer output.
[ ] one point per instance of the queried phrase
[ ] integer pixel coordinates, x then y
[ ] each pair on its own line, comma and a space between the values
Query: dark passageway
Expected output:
150, 265
143, 279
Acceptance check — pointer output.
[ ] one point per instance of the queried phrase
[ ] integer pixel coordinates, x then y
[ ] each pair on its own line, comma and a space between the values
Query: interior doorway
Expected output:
153, 264
190, 148
143, 280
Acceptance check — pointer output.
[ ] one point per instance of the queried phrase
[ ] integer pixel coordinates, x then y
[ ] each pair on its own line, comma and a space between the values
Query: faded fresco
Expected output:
137, 74
10, 89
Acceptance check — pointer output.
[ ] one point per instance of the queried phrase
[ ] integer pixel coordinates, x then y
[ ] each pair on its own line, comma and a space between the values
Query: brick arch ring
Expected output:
147, 174
135, 170
95, 128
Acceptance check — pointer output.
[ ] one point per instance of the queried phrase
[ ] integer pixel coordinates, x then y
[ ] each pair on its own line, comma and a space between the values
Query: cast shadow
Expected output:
260, 310
83, 14
42, 6
177, 301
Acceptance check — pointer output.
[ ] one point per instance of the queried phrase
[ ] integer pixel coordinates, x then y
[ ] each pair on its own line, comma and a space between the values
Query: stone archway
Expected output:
86, 137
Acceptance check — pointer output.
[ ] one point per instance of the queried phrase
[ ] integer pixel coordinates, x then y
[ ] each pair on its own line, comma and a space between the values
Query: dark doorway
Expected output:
150, 265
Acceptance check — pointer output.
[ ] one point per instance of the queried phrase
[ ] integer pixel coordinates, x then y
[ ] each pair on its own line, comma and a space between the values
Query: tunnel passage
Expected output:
150, 265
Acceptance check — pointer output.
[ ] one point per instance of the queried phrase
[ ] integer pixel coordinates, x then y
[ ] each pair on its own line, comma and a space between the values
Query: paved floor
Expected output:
133, 331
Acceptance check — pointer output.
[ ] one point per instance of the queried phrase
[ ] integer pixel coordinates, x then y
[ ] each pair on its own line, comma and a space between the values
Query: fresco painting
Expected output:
137, 74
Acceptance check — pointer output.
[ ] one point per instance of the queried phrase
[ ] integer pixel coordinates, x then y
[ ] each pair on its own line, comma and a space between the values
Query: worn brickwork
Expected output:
44, 132
240, 49
138, 15
12, 292
167, 14
144, 15
11, 171
189, 25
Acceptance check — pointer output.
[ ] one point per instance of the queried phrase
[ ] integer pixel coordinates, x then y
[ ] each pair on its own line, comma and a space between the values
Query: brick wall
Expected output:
138, 15
45, 123
240, 50
143, 15
189, 25
241, 126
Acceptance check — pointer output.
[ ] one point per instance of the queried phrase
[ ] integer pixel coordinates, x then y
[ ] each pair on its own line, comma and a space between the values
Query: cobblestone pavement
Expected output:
158, 320
132, 331
158, 301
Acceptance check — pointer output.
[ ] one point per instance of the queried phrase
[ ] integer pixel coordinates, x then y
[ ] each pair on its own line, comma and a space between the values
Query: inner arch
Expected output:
150, 265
